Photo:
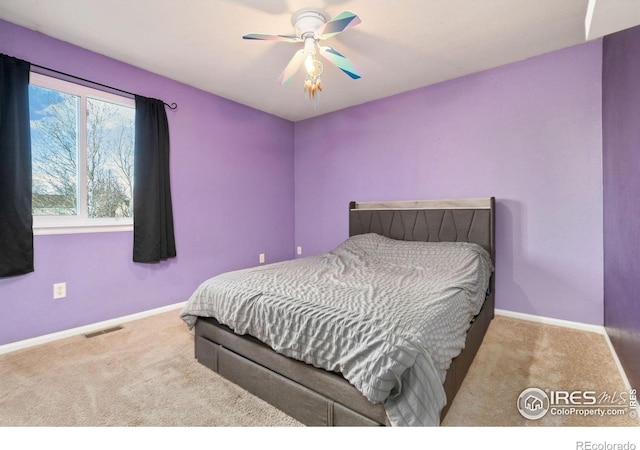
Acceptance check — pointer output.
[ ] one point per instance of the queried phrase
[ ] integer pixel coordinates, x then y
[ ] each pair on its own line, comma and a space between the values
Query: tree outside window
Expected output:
82, 151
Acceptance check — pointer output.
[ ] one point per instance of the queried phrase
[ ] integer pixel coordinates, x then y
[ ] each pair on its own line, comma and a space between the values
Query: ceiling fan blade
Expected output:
341, 22
271, 37
291, 69
340, 61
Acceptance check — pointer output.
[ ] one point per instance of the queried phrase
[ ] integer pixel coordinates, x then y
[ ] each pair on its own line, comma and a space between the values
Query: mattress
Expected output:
388, 315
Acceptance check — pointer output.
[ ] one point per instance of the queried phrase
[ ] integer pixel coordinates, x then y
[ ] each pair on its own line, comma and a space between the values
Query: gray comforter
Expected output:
389, 315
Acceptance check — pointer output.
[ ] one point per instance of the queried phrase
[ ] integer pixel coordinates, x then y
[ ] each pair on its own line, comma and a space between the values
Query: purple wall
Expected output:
232, 187
528, 133
621, 163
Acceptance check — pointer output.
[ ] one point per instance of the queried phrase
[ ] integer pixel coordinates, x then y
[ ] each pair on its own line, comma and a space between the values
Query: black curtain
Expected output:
16, 221
153, 238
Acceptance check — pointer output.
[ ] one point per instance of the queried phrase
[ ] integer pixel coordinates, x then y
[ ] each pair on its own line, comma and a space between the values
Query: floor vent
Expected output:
105, 331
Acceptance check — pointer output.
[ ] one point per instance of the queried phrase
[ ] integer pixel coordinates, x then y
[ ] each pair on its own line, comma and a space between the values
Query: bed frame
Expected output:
317, 397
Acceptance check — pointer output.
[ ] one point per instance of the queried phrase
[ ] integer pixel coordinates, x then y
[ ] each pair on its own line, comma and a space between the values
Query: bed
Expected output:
311, 336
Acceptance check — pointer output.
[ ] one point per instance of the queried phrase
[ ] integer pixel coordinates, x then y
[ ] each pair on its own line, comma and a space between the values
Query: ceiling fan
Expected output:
312, 26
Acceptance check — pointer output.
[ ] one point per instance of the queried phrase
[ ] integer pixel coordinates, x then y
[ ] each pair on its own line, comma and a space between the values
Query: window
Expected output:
82, 153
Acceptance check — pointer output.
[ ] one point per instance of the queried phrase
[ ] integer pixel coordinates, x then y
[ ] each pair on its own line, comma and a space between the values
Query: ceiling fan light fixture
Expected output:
313, 70
313, 67
313, 25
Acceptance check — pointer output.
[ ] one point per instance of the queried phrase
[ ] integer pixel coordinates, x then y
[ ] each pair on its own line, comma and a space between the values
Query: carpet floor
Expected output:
145, 375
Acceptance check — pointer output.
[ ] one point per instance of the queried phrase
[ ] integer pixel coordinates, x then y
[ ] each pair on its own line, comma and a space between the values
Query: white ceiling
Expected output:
399, 46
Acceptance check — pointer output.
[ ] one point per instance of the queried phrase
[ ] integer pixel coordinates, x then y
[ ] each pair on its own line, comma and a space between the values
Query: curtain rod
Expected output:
170, 106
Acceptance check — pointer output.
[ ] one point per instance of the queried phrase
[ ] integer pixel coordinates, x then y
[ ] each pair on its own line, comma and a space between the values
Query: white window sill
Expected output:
41, 227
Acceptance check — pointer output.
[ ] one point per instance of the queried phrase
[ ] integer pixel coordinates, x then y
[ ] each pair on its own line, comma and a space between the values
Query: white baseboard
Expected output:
622, 372
615, 358
575, 325
85, 329
551, 321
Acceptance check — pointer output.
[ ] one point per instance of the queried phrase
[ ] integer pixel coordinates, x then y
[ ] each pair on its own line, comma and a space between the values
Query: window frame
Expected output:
81, 223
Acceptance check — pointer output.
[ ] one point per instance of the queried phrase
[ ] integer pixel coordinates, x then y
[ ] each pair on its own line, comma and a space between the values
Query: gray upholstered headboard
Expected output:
457, 220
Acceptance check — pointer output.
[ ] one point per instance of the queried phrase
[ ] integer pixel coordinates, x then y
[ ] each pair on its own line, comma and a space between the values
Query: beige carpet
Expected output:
142, 375
145, 375
517, 355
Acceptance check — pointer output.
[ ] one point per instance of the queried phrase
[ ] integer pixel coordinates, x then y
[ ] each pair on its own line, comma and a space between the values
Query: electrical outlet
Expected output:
261, 259
59, 290
299, 250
